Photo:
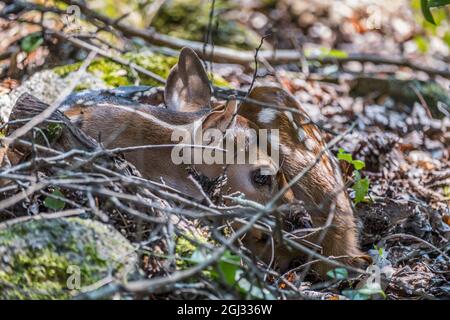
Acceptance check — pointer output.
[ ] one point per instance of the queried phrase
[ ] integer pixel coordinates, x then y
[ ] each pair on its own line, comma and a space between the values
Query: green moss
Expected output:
36, 256
53, 131
115, 74
43, 270
113, 9
110, 72
188, 19
156, 63
184, 248
60, 5
218, 80
82, 86
63, 71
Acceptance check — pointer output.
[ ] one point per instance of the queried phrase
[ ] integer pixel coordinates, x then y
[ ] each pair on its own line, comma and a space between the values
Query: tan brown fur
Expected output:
188, 101
319, 185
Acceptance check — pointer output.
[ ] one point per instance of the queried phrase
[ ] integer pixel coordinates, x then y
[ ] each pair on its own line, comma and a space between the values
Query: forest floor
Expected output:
399, 108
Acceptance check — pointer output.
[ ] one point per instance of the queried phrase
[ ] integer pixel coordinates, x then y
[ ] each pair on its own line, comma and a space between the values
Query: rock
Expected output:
57, 258
46, 85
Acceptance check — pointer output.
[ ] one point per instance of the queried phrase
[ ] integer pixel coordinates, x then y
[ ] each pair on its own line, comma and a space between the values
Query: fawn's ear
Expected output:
187, 87
222, 119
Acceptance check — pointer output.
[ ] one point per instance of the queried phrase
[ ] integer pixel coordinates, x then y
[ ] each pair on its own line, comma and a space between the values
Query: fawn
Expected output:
187, 99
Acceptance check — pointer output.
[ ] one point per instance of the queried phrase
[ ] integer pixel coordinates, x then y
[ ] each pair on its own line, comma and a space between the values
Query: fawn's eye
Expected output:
260, 179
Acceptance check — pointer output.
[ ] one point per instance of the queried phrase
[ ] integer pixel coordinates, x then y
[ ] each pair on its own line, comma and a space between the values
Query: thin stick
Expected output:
52, 108
44, 216
222, 54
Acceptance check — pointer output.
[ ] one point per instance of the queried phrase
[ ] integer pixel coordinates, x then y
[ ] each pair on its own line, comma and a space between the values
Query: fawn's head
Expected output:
299, 141
208, 143
301, 148
304, 151
187, 96
301, 145
235, 145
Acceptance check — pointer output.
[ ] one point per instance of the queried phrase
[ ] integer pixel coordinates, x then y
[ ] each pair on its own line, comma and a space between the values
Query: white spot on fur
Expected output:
301, 134
291, 119
285, 149
309, 144
267, 115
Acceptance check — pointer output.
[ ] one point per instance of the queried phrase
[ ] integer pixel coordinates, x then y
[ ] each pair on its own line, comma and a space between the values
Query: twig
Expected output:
152, 10
48, 112
149, 286
84, 45
43, 216
222, 54
8, 202
409, 236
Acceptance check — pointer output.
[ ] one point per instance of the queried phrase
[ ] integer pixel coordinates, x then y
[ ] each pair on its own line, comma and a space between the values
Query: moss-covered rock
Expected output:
56, 258
114, 74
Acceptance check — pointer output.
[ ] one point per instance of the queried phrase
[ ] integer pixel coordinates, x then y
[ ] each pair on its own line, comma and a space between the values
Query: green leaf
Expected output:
55, 204
334, 53
199, 256
372, 289
229, 264
361, 188
53, 131
446, 191
358, 164
326, 53
446, 38
426, 11
342, 155
438, 3
253, 290
31, 42
422, 44
338, 274
355, 295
